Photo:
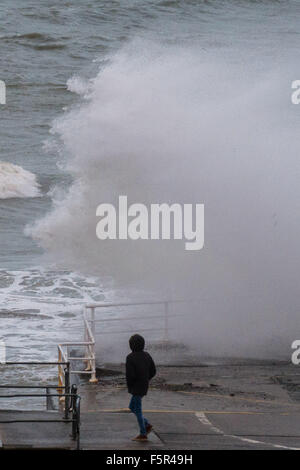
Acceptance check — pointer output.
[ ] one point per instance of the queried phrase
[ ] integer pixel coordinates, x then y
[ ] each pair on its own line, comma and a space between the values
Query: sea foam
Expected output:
17, 182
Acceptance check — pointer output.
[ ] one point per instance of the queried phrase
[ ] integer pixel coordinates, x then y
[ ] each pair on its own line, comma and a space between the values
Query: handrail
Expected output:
129, 304
75, 406
165, 316
33, 363
75, 420
63, 377
91, 321
29, 386
34, 395
129, 331
89, 357
130, 318
63, 372
89, 342
140, 302
90, 349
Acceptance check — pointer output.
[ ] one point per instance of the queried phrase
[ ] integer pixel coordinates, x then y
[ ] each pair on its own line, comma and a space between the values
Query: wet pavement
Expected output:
221, 406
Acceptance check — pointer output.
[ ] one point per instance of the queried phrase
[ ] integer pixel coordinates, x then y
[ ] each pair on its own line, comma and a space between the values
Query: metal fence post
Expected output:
67, 391
85, 338
74, 417
59, 370
77, 405
93, 321
93, 378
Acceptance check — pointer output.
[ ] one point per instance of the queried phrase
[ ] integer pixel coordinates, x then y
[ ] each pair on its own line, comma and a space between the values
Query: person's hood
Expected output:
136, 343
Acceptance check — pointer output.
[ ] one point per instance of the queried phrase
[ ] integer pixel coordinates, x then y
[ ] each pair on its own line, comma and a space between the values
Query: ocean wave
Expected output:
17, 182
36, 41
47, 47
156, 125
39, 309
34, 36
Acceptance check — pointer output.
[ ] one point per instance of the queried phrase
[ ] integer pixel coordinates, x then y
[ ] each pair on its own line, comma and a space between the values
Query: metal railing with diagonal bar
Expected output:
88, 345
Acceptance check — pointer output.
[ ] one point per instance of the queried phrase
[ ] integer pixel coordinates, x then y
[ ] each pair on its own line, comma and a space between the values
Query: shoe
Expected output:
149, 428
140, 438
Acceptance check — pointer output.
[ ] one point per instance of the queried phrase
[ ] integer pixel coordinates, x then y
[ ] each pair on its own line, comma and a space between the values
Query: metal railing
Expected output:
90, 334
70, 396
89, 357
165, 316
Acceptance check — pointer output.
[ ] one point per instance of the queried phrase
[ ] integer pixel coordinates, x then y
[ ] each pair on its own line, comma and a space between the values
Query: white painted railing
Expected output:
88, 346
90, 335
165, 317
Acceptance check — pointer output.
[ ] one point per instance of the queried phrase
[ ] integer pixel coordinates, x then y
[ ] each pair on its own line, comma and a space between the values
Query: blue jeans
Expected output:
135, 406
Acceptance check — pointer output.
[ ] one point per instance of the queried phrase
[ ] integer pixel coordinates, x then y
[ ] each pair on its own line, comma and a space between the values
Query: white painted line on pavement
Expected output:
204, 420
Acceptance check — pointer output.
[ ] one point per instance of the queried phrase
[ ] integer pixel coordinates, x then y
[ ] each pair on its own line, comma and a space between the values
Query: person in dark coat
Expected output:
140, 369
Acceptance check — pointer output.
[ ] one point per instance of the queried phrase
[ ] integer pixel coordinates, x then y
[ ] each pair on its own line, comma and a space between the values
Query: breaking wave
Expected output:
156, 124
15, 182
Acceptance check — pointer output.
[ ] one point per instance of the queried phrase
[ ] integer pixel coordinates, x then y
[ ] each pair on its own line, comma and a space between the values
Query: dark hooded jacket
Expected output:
140, 367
